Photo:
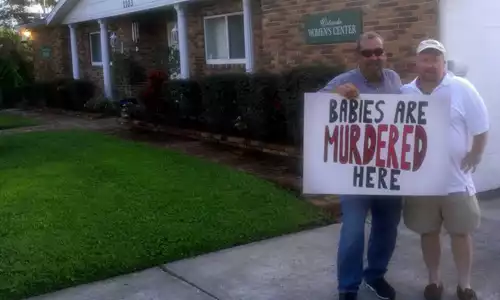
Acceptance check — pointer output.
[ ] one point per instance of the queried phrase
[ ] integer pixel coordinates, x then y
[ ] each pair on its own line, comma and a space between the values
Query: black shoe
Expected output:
382, 289
348, 296
466, 294
433, 292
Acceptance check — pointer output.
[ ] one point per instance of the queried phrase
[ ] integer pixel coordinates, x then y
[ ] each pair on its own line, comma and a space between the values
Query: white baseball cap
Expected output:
431, 44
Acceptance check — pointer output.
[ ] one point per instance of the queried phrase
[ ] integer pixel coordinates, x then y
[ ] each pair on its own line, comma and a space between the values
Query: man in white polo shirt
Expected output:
458, 211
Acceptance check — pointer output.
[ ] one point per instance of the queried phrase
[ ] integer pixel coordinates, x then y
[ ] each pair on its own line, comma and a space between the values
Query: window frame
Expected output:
93, 63
222, 61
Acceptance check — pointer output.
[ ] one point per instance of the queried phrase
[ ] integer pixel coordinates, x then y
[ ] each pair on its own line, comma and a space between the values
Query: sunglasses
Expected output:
369, 53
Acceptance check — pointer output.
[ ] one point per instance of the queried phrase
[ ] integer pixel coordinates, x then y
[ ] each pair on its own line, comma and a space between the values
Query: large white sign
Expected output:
376, 145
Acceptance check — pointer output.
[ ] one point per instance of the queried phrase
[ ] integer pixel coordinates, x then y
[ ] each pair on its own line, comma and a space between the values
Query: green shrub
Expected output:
103, 105
239, 104
10, 97
261, 106
219, 96
31, 95
16, 67
184, 103
10, 80
74, 94
9, 73
66, 94
39, 93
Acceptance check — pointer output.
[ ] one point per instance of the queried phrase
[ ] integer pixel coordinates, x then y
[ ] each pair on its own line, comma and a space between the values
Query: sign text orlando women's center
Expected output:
378, 144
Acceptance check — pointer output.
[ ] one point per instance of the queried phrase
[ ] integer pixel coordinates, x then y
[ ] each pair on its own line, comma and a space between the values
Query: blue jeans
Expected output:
386, 214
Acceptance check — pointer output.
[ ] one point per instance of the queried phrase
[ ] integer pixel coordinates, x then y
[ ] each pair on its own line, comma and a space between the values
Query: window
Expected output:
224, 39
95, 49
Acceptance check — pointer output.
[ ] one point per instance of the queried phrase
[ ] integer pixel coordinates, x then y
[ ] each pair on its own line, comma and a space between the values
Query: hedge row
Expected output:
69, 94
262, 106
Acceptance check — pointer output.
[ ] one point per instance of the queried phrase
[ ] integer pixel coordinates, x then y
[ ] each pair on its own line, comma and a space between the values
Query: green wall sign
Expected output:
45, 51
333, 27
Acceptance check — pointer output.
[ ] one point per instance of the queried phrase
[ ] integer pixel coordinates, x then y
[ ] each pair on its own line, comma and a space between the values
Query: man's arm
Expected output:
332, 85
473, 158
479, 143
477, 121
341, 85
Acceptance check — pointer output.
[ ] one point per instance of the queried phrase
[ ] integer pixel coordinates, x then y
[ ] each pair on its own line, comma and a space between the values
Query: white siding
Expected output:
471, 32
86, 10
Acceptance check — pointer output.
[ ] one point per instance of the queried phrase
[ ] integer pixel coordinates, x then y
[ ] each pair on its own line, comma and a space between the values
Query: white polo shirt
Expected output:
469, 117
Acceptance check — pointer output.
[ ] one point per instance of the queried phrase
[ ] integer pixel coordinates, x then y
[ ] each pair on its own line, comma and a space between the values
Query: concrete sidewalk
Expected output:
294, 267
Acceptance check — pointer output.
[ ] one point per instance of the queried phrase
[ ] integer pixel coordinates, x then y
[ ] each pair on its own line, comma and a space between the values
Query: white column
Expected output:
74, 51
183, 40
248, 34
106, 70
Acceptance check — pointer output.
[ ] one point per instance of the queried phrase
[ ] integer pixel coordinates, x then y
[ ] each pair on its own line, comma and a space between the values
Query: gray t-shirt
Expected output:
391, 83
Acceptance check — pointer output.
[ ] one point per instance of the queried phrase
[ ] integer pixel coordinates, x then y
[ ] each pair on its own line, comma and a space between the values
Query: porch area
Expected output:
115, 46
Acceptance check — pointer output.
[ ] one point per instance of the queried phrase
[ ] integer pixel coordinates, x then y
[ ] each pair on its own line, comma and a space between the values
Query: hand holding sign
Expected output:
348, 91
380, 144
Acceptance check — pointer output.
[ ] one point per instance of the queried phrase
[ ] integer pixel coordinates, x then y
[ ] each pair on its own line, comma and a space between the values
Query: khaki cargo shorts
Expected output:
459, 213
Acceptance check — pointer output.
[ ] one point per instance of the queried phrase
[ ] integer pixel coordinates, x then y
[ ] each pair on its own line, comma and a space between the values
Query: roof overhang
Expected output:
60, 10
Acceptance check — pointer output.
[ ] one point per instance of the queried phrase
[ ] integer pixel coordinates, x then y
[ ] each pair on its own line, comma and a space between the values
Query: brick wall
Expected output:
279, 37
279, 41
58, 64
403, 23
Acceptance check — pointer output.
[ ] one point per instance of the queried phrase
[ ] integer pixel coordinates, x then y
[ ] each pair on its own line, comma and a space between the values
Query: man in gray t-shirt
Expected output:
369, 78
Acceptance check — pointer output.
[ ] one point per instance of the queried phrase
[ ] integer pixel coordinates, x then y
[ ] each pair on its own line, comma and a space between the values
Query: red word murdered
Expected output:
345, 140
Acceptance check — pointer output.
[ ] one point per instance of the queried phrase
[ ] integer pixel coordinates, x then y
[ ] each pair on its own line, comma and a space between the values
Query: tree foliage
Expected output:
14, 12
46, 5
16, 61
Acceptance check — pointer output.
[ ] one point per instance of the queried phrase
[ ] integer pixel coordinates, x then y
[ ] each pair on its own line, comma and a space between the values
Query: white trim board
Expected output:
76, 11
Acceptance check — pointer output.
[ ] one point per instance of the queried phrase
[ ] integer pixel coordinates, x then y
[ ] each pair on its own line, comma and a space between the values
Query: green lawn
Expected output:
77, 206
8, 121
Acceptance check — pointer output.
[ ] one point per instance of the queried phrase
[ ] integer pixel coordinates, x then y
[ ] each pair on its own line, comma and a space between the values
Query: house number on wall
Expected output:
128, 3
